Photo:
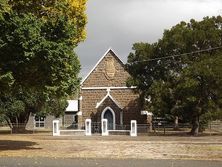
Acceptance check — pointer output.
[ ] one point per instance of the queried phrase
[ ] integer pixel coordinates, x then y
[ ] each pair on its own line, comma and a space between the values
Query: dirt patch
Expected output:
115, 147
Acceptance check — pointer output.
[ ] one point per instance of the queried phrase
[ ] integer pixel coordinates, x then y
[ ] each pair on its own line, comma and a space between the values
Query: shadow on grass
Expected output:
17, 145
183, 134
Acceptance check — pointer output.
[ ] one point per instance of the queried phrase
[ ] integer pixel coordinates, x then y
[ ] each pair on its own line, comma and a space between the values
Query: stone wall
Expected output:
109, 77
99, 78
126, 98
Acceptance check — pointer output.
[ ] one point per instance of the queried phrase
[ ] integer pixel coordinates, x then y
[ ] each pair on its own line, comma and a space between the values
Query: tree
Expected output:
51, 10
37, 60
199, 89
177, 84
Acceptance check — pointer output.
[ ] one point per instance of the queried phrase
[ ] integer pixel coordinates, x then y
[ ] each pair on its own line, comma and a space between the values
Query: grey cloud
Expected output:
120, 23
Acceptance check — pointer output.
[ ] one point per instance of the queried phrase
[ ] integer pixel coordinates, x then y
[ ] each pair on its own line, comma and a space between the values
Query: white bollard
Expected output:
88, 127
133, 131
105, 127
56, 131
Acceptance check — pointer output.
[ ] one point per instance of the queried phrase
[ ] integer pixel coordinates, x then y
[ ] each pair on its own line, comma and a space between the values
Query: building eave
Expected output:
72, 106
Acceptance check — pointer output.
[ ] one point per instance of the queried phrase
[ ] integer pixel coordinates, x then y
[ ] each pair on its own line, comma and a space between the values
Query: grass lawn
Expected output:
114, 147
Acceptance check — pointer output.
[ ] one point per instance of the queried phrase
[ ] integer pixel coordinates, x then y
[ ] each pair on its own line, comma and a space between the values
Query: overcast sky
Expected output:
120, 23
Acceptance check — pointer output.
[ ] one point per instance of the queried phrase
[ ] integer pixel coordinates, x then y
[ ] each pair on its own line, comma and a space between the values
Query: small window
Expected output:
39, 122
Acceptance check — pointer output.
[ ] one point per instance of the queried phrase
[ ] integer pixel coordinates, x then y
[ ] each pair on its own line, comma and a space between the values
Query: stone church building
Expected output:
104, 95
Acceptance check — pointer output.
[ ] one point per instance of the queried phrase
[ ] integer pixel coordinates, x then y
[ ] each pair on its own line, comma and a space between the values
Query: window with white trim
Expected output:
39, 122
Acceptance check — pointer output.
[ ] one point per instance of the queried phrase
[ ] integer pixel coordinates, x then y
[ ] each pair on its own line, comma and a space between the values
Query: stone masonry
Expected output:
105, 87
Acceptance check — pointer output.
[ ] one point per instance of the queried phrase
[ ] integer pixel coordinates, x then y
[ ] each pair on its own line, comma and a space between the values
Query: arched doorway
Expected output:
109, 114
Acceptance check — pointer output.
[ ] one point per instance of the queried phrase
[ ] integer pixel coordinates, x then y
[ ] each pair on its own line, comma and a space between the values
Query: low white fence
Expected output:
87, 130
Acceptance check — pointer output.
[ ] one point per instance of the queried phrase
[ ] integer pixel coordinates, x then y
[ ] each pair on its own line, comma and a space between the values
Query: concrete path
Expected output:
50, 162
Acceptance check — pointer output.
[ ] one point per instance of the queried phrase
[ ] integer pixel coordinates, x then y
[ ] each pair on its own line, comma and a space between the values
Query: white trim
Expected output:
133, 129
113, 113
108, 95
123, 87
79, 113
88, 128
119, 130
104, 127
55, 128
72, 130
110, 49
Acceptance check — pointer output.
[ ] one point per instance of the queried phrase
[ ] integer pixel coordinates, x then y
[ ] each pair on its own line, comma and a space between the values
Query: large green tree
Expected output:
38, 65
178, 84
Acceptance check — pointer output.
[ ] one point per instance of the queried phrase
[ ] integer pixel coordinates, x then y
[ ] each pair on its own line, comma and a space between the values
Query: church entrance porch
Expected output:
109, 114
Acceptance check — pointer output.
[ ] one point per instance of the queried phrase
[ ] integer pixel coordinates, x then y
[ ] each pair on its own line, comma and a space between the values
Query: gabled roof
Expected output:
108, 95
109, 50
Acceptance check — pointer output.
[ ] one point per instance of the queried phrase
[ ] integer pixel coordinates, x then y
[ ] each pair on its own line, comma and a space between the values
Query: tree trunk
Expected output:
195, 126
19, 128
176, 124
19, 124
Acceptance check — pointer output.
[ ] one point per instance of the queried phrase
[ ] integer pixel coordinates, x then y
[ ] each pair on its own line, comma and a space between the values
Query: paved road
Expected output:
50, 162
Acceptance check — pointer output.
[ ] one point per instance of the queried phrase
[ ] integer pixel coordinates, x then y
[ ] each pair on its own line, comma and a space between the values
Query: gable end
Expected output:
108, 71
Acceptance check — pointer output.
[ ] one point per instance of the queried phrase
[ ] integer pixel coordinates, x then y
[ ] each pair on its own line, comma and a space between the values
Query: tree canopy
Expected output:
38, 65
181, 73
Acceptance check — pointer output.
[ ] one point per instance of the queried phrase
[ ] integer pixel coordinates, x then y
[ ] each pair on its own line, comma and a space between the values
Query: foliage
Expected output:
50, 10
188, 85
4, 7
38, 67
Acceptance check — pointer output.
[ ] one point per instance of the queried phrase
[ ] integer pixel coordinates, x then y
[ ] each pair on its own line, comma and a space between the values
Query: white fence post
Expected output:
88, 127
133, 131
105, 127
56, 131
